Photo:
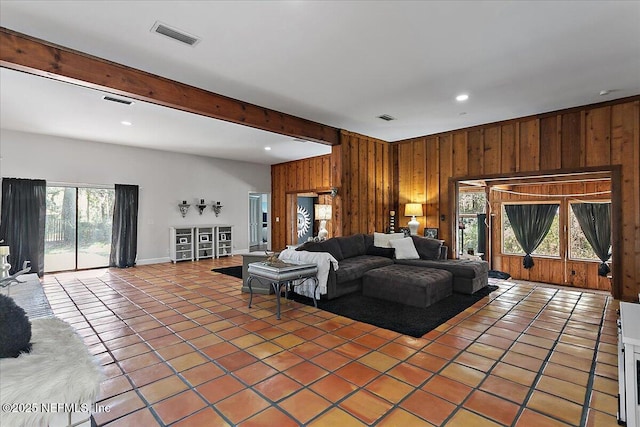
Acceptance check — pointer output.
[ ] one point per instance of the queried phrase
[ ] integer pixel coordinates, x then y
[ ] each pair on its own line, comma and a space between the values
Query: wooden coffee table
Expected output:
278, 275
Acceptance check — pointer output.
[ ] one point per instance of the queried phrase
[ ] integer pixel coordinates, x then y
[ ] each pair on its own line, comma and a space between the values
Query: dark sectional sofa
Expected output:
362, 263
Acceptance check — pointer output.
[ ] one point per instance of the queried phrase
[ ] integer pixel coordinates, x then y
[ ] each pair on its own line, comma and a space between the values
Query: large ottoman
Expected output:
416, 286
469, 276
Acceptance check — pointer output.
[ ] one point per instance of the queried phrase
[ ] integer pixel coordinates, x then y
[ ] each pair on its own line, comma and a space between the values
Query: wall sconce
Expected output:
201, 206
334, 191
322, 213
184, 208
413, 210
217, 208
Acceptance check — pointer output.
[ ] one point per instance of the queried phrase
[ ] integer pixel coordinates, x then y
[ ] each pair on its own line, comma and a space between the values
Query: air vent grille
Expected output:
386, 117
118, 100
174, 34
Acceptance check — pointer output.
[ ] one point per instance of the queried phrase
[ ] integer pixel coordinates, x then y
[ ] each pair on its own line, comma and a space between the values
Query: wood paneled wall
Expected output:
301, 176
591, 136
365, 181
361, 168
373, 177
581, 274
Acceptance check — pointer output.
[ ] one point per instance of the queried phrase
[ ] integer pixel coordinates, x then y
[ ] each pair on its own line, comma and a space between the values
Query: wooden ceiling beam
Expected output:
24, 53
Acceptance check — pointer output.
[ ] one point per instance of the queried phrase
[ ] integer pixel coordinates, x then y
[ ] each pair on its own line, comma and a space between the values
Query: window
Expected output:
579, 246
550, 246
470, 204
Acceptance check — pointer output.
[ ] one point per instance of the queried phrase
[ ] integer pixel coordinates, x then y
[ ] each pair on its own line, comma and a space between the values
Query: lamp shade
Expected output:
322, 212
4, 250
413, 209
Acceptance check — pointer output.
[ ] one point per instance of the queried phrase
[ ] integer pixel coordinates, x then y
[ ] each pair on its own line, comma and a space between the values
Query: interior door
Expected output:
255, 220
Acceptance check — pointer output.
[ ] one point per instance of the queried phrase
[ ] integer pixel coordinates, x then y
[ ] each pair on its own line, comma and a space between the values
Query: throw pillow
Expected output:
15, 329
351, 246
427, 248
405, 249
384, 252
382, 240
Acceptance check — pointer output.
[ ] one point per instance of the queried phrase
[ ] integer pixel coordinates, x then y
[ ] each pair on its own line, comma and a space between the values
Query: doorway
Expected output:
259, 234
563, 256
77, 228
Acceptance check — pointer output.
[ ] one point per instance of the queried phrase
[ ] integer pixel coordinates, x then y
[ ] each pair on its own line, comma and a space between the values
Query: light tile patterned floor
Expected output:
180, 347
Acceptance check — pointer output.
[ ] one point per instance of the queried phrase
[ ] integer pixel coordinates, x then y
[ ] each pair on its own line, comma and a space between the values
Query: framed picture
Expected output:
183, 240
204, 238
431, 233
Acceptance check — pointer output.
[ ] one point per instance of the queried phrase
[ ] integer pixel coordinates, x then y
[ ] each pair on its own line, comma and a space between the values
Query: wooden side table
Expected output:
278, 275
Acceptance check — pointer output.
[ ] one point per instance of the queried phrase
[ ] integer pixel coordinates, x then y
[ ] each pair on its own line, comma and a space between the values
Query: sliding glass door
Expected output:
78, 228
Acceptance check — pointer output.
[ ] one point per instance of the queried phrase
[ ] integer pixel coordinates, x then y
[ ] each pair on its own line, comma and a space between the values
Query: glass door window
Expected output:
78, 228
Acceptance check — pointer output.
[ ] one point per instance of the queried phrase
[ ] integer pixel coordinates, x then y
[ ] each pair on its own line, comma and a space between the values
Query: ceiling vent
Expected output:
174, 33
386, 117
118, 100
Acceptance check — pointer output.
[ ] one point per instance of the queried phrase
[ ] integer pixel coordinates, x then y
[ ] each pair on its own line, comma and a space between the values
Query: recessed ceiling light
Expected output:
605, 92
267, 148
462, 97
126, 123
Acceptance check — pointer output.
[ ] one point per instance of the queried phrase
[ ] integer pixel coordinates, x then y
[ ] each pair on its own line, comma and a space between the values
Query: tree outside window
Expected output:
579, 246
470, 204
550, 246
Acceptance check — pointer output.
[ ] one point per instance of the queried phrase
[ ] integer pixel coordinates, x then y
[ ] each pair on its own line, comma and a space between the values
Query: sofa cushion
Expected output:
331, 246
368, 240
382, 240
351, 246
405, 249
355, 267
427, 248
459, 267
385, 252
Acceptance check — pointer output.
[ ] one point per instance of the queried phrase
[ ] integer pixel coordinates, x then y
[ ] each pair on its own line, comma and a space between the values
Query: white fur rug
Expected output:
59, 369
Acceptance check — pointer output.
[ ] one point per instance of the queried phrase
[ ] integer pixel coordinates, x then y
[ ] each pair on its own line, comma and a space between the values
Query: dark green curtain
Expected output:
22, 222
530, 224
124, 232
595, 222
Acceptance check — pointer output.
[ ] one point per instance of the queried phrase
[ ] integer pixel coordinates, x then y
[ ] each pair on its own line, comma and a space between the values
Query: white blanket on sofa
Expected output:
323, 260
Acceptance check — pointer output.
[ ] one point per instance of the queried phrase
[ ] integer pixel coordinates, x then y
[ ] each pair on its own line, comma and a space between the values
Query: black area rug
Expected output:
235, 271
407, 320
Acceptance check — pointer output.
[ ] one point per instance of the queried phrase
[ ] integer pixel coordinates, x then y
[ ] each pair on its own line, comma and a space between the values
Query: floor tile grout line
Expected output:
351, 339
165, 361
586, 406
460, 406
540, 372
109, 351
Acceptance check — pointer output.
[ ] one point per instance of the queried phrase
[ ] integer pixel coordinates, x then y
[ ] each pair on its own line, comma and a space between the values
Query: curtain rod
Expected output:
80, 184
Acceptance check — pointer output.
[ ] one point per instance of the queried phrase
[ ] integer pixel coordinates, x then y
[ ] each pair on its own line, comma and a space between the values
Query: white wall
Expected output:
164, 178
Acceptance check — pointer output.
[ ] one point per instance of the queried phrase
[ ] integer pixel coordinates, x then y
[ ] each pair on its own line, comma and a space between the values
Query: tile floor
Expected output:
180, 347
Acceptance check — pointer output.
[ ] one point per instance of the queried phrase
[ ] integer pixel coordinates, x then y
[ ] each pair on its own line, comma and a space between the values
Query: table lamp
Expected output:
322, 213
413, 210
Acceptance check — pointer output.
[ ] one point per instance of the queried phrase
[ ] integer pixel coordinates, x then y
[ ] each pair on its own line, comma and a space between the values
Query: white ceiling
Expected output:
338, 63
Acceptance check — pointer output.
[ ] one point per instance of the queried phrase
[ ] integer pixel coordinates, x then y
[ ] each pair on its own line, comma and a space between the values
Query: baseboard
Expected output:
153, 261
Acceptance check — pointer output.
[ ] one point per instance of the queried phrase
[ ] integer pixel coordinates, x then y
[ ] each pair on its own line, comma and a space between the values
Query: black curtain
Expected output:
482, 234
595, 221
22, 222
530, 224
124, 232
